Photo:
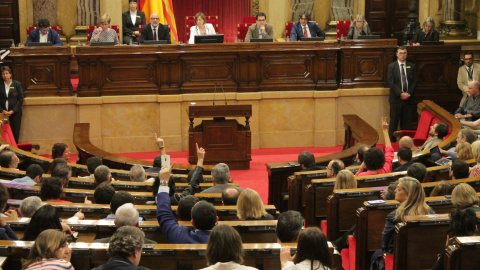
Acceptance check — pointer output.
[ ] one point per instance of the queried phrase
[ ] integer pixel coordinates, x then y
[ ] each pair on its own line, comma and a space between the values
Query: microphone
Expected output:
214, 94
225, 96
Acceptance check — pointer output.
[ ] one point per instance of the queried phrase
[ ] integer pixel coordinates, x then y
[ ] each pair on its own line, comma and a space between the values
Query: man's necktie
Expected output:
154, 33
404, 79
470, 74
305, 34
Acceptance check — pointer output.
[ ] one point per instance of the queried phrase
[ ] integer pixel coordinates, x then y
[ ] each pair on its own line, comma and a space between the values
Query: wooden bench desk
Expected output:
464, 255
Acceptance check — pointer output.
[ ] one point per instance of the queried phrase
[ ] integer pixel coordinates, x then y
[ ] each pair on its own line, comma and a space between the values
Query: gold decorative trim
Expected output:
255, 7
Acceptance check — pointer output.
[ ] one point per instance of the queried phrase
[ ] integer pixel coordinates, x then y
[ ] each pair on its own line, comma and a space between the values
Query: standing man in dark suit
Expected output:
261, 29
11, 100
155, 30
402, 79
131, 20
44, 34
305, 28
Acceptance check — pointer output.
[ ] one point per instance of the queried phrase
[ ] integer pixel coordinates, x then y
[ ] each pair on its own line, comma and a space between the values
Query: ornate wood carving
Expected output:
255, 7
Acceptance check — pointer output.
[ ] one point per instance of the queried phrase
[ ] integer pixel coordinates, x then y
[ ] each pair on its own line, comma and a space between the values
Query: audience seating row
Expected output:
99, 211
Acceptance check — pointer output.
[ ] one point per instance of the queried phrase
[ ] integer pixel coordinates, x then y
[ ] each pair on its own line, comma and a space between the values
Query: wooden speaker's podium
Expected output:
224, 140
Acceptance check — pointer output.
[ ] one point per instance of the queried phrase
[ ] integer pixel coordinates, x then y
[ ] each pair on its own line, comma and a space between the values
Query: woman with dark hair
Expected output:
60, 150
44, 218
50, 251
224, 249
462, 223
312, 252
201, 27
11, 101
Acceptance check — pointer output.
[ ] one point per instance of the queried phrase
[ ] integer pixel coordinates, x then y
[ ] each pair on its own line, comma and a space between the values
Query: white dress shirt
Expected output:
43, 38
133, 15
308, 30
7, 90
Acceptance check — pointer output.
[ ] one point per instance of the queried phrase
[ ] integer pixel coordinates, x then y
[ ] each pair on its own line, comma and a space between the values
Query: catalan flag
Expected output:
164, 9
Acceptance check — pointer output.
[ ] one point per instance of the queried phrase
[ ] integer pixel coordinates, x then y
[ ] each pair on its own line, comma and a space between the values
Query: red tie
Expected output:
305, 34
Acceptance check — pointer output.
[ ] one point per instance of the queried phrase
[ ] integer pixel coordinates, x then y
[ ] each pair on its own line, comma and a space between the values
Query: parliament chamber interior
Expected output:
217, 82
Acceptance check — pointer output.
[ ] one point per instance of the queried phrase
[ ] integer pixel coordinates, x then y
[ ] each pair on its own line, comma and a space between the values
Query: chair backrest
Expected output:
91, 28
342, 28
424, 123
56, 28
30, 28
242, 30
288, 29
249, 20
8, 135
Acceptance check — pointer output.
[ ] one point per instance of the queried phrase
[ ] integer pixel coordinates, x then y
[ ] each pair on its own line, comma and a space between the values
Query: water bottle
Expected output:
288, 38
13, 43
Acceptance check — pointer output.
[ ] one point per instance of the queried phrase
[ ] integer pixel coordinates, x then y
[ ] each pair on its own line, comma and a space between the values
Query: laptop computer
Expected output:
312, 39
261, 40
437, 157
40, 44
102, 43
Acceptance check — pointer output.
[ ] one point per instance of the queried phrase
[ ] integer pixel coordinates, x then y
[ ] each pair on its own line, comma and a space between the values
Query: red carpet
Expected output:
257, 177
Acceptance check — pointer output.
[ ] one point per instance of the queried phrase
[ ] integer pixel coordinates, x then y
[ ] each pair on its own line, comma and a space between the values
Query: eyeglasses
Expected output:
468, 59
154, 19
261, 20
402, 53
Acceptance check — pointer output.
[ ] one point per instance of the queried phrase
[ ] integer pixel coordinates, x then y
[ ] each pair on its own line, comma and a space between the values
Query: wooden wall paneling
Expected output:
325, 70
169, 74
9, 23
248, 72
43, 71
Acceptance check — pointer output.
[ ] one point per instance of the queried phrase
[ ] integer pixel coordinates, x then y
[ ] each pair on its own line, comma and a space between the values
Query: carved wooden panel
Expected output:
43, 71
387, 18
9, 24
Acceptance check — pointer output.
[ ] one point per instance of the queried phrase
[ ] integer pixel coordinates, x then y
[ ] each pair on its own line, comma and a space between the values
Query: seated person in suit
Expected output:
304, 28
427, 33
126, 215
334, 167
30, 205
104, 193
92, 163
125, 249
120, 198
359, 27
155, 30
201, 27
404, 158
220, 176
289, 225
131, 20
44, 34
204, 217
261, 29
470, 109
360, 154
459, 169
8, 159
61, 150
437, 132
307, 162
230, 196
33, 175
104, 33
418, 171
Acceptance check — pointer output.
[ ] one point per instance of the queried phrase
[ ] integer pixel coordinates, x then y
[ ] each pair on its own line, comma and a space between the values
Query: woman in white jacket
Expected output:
201, 27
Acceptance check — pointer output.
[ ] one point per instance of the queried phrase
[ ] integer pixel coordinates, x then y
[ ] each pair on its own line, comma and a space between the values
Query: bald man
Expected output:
155, 30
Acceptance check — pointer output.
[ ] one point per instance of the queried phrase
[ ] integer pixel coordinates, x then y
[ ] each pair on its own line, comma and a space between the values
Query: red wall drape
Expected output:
229, 12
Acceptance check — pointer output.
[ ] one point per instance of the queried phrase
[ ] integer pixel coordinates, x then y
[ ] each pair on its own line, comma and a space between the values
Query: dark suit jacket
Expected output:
420, 37
395, 81
253, 32
128, 27
15, 97
53, 37
147, 33
297, 31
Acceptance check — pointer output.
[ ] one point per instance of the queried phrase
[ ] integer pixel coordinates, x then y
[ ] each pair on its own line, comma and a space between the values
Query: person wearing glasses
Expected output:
261, 29
155, 30
469, 72
201, 27
359, 27
305, 28
427, 33
104, 33
402, 79
44, 34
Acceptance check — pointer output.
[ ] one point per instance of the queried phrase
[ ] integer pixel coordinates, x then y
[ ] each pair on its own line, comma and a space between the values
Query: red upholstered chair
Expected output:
56, 28
388, 262
7, 135
288, 29
30, 29
250, 20
242, 30
342, 28
348, 254
421, 134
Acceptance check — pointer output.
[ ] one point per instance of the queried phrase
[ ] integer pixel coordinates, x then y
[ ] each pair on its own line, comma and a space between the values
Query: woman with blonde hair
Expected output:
359, 27
475, 171
410, 194
225, 250
345, 180
50, 251
426, 33
201, 27
104, 33
464, 151
464, 196
250, 206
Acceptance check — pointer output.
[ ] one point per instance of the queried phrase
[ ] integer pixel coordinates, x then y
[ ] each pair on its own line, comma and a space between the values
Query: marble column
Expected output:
88, 12
45, 9
453, 19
